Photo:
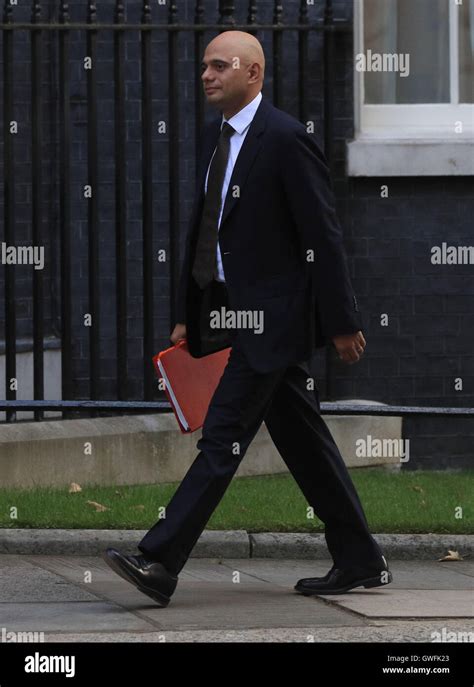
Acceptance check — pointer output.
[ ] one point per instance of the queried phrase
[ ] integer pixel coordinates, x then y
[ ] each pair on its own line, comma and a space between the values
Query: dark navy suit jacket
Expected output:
281, 247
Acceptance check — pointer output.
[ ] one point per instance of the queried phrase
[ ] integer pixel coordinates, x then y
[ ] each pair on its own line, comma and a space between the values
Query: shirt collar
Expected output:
243, 118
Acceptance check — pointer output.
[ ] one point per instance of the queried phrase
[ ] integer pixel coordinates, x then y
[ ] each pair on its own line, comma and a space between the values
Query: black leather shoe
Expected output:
149, 577
340, 581
309, 580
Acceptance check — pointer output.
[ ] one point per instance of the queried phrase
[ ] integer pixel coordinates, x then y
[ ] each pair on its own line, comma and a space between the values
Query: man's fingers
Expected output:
351, 355
178, 333
361, 340
354, 357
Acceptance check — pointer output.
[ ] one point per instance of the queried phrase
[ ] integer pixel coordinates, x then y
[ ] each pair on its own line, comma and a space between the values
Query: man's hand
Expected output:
350, 346
178, 333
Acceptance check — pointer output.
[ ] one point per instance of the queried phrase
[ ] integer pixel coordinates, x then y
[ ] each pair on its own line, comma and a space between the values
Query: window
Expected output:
414, 88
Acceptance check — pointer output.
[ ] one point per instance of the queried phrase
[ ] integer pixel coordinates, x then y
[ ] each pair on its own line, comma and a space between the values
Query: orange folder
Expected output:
190, 382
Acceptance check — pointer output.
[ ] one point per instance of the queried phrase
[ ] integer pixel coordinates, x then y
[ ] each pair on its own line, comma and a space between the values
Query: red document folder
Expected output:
190, 382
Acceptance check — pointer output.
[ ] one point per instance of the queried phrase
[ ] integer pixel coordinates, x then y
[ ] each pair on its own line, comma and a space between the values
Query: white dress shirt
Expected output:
240, 122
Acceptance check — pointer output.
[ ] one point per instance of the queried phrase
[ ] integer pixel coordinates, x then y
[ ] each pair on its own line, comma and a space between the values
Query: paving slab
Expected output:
206, 596
232, 607
408, 603
69, 616
23, 580
407, 575
281, 572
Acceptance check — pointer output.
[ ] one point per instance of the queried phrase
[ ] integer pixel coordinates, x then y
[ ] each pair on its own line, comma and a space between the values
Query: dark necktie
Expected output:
205, 261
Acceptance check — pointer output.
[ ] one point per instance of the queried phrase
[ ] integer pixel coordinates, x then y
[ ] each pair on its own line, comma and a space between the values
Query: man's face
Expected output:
224, 77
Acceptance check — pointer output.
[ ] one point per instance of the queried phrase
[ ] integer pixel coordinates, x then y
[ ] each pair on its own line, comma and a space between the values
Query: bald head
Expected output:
239, 45
233, 68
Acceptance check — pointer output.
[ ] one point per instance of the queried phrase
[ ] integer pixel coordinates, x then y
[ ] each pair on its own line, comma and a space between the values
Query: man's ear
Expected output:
255, 68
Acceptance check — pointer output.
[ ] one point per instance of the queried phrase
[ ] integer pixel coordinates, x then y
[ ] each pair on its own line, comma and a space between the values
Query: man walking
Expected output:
264, 238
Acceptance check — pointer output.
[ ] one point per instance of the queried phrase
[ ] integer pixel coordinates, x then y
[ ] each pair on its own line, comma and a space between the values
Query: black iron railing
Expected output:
341, 408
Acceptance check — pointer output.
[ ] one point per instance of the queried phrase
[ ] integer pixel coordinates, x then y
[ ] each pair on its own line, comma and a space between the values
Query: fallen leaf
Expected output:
416, 488
452, 556
97, 506
139, 507
74, 488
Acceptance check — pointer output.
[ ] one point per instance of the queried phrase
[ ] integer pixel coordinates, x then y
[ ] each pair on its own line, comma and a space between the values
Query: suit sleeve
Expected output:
308, 190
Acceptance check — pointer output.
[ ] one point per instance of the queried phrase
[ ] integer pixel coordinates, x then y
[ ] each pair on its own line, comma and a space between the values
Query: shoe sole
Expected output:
368, 583
160, 599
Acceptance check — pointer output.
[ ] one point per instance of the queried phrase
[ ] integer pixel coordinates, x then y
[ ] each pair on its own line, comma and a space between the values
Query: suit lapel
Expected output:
243, 164
246, 157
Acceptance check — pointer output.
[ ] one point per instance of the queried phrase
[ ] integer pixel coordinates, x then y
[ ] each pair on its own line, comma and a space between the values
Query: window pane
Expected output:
419, 29
466, 49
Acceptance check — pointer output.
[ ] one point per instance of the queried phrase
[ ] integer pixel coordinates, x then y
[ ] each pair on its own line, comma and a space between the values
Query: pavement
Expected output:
78, 598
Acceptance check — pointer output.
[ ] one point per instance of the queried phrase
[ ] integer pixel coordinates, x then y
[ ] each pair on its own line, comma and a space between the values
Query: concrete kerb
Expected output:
227, 544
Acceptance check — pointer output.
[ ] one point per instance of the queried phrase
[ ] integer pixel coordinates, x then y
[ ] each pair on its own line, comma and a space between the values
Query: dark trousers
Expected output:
242, 400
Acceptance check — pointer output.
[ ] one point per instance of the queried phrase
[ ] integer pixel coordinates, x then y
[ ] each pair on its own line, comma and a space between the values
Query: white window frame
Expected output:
389, 140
